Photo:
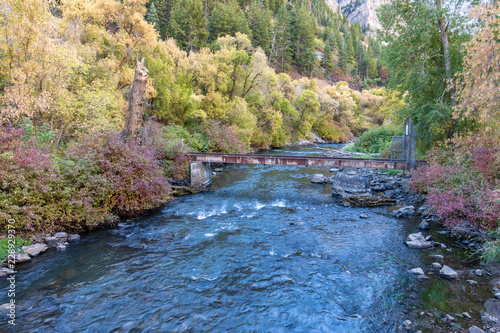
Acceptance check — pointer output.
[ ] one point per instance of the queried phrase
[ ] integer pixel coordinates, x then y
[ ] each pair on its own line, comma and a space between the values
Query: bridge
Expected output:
402, 158
200, 172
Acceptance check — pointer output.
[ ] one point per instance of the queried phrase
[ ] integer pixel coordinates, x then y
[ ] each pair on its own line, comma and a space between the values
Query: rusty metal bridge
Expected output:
339, 162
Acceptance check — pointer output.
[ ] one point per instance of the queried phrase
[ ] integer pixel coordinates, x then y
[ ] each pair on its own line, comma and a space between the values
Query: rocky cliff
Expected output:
362, 11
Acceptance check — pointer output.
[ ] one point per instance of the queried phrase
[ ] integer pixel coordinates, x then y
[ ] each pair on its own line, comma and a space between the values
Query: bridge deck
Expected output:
299, 161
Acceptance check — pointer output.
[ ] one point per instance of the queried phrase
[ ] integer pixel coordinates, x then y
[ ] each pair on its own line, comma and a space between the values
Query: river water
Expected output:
264, 251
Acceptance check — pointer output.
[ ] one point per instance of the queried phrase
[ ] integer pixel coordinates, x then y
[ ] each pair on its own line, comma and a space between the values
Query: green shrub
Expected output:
376, 140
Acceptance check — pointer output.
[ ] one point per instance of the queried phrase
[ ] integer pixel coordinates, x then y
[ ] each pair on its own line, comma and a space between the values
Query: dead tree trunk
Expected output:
137, 100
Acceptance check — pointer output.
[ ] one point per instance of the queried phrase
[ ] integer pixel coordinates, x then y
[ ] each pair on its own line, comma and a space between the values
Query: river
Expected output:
263, 251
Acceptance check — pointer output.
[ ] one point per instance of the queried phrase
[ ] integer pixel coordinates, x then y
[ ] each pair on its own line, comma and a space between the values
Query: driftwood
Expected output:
368, 201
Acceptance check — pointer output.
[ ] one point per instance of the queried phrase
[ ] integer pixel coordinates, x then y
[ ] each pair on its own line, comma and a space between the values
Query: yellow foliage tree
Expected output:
478, 85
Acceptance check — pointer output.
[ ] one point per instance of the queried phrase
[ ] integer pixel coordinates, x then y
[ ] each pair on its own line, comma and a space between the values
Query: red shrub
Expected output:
462, 181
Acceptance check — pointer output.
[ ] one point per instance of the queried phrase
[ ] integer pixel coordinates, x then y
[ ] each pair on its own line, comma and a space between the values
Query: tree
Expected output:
282, 50
152, 16
416, 60
226, 19
478, 85
137, 101
307, 105
259, 19
305, 55
188, 24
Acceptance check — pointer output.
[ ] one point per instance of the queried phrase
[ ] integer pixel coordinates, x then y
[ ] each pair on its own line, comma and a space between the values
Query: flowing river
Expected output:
264, 251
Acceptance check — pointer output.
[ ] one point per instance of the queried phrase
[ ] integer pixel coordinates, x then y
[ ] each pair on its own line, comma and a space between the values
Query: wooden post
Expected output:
137, 100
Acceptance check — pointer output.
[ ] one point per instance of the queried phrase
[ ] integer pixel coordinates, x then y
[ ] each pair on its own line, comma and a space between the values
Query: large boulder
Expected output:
51, 241
418, 241
348, 183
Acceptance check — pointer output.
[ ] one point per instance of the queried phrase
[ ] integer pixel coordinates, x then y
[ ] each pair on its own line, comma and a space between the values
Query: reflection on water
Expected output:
266, 251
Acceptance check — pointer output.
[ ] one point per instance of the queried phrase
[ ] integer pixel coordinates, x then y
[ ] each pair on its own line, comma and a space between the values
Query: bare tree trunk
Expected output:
137, 100
443, 32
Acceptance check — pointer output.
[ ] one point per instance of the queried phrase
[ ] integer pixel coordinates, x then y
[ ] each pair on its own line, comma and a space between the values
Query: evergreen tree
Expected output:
259, 19
281, 49
305, 55
349, 53
188, 24
226, 19
326, 61
152, 16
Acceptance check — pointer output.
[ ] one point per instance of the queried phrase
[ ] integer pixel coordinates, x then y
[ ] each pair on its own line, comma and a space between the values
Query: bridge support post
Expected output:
200, 174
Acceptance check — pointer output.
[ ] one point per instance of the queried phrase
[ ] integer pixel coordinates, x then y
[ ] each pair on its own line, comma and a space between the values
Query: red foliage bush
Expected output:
87, 185
462, 181
133, 176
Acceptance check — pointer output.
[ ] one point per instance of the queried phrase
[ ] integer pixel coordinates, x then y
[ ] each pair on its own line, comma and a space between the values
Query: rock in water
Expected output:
417, 271
448, 273
36, 249
424, 225
348, 183
404, 211
475, 329
73, 238
21, 257
51, 241
61, 237
417, 241
318, 179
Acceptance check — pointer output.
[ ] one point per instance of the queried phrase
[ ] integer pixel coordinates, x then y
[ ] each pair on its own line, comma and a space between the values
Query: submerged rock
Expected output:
448, 273
348, 183
418, 241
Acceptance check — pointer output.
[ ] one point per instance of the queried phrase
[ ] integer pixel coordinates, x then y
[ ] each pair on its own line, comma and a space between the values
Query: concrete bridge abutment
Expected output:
200, 174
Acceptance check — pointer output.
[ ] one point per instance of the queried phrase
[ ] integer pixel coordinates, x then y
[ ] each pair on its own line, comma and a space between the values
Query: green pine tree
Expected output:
152, 16
188, 24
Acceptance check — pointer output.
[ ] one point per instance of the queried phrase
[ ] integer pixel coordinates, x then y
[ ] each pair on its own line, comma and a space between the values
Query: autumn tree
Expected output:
478, 84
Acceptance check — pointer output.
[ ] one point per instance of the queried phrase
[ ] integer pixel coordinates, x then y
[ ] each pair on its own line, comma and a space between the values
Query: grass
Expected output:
4, 246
